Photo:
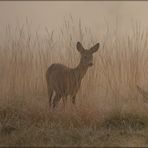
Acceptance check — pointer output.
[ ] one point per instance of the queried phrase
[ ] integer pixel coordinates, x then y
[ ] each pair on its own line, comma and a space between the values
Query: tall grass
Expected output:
108, 87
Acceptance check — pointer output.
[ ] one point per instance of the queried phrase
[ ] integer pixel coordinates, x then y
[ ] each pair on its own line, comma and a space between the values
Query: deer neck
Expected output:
80, 71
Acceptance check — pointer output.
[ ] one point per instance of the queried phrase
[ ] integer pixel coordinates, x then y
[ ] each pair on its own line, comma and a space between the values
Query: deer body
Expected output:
65, 81
70, 82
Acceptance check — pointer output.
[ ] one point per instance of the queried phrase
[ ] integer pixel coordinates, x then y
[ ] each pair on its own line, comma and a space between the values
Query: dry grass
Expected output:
109, 110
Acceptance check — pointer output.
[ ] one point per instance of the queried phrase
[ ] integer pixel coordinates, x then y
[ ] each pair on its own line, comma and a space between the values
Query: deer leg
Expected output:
56, 100
64, 102
74, 99
50, 93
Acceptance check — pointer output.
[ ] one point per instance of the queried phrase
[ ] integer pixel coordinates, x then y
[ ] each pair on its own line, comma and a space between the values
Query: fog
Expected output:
93, 14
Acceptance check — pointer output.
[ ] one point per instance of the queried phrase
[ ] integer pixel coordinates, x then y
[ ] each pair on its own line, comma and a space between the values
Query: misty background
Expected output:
92, 14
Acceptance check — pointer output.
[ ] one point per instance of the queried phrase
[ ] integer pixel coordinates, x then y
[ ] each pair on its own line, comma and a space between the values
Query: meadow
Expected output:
109, 110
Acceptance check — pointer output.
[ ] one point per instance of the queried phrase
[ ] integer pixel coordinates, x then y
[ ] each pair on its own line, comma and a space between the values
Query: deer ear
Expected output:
80, 47
95, 48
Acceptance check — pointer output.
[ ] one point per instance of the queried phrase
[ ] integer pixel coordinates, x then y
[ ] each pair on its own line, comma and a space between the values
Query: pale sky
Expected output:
51, 14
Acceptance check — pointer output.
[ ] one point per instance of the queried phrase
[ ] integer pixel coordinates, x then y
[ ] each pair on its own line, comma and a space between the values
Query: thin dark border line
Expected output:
74, 0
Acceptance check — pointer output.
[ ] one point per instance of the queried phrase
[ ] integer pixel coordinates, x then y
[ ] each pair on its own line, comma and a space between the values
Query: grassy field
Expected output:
109, 111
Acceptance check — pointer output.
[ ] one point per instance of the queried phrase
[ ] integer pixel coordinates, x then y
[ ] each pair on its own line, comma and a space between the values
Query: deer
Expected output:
65, 81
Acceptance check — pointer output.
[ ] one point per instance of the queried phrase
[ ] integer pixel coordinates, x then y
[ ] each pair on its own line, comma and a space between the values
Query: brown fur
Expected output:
66, 81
